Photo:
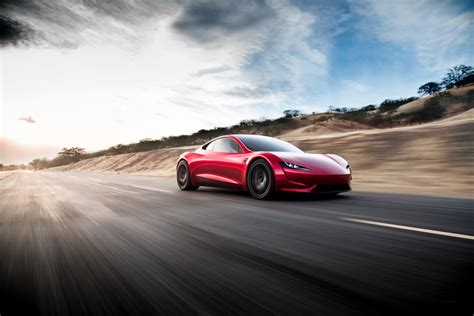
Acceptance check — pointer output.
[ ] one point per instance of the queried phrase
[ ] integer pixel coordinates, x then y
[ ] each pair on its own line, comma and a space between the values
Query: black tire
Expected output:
260, 181
184, 178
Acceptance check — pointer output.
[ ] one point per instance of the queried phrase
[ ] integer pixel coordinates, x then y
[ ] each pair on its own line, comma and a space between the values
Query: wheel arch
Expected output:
183, 156
181, 159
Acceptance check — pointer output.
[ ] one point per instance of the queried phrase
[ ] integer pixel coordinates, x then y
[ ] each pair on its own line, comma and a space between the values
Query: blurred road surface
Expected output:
95, 243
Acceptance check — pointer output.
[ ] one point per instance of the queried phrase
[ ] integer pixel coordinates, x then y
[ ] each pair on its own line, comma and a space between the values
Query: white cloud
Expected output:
104, 92
439, 32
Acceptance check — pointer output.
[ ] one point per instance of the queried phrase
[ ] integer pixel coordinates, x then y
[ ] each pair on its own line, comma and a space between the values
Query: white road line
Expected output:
415, 229
152, 189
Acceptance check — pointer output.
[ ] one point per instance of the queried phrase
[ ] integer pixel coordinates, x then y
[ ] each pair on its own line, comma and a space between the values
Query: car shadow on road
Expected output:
280, 196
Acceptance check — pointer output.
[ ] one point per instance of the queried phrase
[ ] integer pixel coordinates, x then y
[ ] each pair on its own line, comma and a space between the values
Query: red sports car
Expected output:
263, 166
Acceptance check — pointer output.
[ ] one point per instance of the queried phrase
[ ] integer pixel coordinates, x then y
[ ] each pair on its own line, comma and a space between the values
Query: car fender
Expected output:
182, 157
340, 160
272, 160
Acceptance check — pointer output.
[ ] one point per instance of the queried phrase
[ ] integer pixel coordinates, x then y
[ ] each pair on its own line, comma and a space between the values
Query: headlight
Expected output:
293, 166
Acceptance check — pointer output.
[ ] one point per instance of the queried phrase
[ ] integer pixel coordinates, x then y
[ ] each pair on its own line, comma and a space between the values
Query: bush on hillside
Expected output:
292, 113
322, 118
391, 105
432, 110
12, 167
370, 107
465, 81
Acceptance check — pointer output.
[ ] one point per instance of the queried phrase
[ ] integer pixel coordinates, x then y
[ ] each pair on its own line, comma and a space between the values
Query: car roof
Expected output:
236, 138
250, 135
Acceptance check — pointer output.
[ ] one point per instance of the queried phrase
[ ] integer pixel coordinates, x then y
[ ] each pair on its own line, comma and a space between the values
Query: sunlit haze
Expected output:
100, 75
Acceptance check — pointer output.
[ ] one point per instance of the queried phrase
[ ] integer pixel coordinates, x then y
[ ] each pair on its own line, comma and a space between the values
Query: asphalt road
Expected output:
114, 244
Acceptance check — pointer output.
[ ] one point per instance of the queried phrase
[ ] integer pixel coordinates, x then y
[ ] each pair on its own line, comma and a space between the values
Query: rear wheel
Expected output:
260, 180
183, 177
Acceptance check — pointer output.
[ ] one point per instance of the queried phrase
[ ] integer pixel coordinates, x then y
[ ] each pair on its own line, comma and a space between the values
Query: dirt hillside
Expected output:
159, 162
454, 100
434, 158
331, 126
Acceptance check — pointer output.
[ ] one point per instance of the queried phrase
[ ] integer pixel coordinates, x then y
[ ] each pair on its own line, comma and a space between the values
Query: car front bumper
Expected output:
306, 182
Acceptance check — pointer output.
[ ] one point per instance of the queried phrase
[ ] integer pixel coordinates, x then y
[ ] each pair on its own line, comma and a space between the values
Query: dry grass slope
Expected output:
455, 101
159, 162
434, 158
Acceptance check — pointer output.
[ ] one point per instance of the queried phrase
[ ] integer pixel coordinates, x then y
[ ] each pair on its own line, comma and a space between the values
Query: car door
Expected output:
222, 163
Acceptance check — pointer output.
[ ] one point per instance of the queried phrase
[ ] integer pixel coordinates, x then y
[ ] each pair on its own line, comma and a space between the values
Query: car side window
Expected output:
224, 145
210, 146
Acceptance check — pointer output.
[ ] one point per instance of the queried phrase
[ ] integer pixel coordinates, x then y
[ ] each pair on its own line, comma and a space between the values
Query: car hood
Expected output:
318, 163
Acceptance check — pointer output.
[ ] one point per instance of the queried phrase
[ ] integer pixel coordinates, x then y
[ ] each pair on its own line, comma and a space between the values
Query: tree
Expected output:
429, 88
72, 152
456, 75
466, 80
146, 140
369, 107
391, 105
334, 109
247, 123
292, 113
39, 164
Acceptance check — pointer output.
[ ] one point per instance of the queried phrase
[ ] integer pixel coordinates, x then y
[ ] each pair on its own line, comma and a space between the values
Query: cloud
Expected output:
200, 63
28, 119
70, 23
291, 61
439, 32
210, 20
12, 32
210, 71
248, 92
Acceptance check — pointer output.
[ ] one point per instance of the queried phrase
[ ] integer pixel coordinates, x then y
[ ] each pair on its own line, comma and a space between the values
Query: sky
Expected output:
98, 73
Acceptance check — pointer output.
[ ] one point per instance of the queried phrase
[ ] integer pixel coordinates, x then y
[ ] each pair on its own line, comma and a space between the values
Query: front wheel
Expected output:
260, 182
184, 178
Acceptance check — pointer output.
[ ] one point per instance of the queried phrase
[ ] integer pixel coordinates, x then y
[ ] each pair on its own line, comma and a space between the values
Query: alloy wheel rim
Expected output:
182, 175
260, 179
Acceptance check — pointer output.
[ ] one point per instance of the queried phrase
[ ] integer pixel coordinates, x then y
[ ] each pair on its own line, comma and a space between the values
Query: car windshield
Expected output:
264, 143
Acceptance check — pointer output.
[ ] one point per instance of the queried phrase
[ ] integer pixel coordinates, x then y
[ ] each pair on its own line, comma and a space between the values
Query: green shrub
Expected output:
432, 110
391, 105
